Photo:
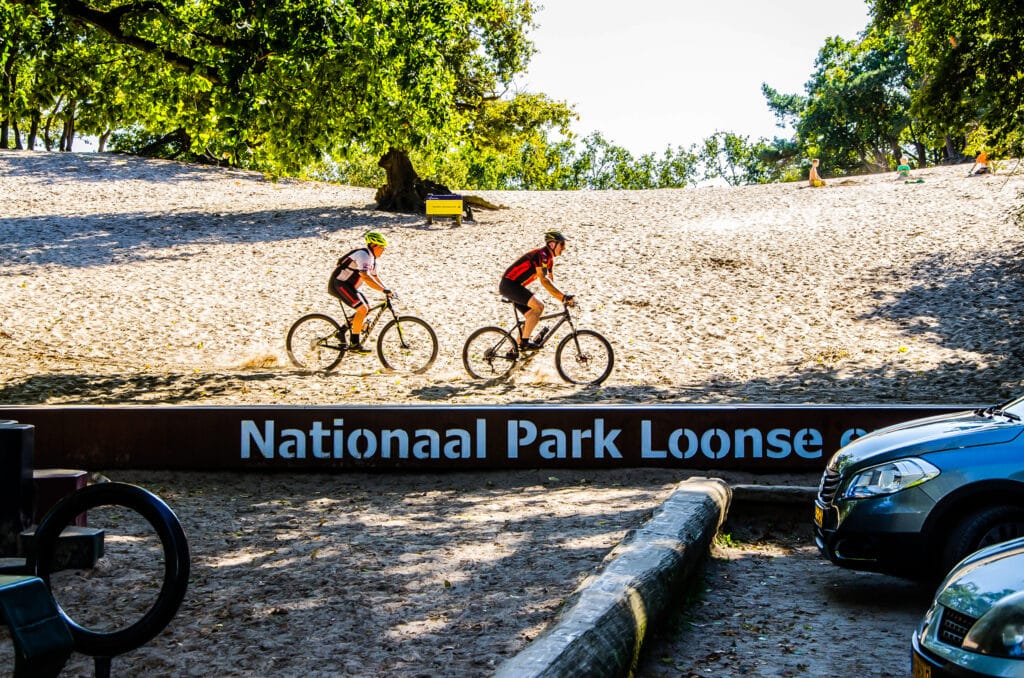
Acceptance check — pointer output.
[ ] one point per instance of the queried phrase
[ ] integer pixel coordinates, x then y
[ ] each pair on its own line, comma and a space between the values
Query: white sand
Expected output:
129, 280
126, 280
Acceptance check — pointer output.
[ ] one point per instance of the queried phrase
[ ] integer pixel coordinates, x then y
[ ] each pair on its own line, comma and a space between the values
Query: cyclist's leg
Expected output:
354, 299
532, 317
359, 317
530, 306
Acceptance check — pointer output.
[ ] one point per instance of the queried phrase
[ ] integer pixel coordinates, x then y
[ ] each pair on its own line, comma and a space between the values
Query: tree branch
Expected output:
111, 24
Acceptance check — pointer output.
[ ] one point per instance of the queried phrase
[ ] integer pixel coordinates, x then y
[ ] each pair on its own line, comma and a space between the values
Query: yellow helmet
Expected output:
375, 238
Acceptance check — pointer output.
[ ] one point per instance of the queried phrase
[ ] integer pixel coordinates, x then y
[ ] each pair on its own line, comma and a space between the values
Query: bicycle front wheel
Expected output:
584, 357
407, 344
489, 353
316, 342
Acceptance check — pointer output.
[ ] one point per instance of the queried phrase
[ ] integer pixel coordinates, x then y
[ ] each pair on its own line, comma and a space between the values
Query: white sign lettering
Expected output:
362, 443
741, 443
555, 443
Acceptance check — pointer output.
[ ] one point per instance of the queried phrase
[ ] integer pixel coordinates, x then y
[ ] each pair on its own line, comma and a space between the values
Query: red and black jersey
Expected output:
524, 270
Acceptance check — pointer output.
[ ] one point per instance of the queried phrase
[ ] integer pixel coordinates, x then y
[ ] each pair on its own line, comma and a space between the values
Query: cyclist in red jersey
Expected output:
536, 264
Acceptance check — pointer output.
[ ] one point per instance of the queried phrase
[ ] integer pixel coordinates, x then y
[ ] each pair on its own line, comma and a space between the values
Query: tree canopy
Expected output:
273, 85
969, 58
328, 87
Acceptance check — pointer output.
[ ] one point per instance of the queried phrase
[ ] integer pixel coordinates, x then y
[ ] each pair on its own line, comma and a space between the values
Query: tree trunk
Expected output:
404, 191
13, 80
5, 99
47, 138
894, 144
953, 152
922, 154
400, 192
67, 137
33, 131
103, 141
170, 145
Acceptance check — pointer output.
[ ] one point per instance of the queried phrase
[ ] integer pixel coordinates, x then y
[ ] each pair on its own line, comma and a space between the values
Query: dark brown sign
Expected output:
761, 438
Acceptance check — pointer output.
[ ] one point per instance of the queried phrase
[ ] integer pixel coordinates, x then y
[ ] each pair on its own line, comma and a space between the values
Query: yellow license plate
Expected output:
919, 668
819, 518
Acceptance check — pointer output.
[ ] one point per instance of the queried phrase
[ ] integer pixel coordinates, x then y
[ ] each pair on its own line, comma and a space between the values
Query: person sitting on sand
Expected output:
903, 169
814, 177
355, 268
538, 264
981, 163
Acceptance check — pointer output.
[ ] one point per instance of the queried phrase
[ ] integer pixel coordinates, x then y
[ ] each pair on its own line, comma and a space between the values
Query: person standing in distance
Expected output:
355, 268
538, 264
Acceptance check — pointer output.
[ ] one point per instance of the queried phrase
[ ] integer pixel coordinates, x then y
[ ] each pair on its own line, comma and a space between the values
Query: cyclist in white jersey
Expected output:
355, 268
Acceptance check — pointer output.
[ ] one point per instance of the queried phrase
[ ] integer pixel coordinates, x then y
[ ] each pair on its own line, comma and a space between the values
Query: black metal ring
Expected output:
177, 563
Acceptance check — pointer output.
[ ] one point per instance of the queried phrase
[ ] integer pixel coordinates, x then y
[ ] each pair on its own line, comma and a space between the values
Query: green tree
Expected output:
856, 106
735, 159
601, 165
509, 145
278, 85
21, 32
969, 57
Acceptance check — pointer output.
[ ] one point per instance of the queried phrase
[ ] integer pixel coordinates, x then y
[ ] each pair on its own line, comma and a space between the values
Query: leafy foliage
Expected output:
970, 60
277, 85
856, 112
323, 88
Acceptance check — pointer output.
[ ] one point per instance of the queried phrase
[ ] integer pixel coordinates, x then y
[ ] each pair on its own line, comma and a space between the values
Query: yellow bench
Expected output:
444, 206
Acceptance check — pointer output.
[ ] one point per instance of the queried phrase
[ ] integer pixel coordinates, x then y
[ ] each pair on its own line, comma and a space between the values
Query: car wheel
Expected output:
982, 528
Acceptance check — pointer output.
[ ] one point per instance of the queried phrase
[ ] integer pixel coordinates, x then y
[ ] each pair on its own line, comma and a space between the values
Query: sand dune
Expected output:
134, 281
131, 280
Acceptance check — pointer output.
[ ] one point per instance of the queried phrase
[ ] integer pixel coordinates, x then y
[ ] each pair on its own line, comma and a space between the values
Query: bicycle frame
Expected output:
563, 317
372, 318
581, 357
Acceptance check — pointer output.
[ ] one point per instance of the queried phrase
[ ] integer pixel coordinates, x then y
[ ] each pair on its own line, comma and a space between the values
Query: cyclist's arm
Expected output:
373, 281
546, 283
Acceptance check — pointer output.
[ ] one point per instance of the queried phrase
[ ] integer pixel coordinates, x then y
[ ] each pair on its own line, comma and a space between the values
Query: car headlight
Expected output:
1000, 631
888, 478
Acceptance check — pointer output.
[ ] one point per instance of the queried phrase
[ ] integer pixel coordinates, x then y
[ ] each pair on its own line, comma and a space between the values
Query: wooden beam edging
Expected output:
606, 620
768, 438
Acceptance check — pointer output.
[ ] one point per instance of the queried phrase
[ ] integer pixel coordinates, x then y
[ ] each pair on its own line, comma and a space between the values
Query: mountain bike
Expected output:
406, 343
582, 356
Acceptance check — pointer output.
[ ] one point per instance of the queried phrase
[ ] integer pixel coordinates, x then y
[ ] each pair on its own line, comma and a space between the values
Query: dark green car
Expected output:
913, 499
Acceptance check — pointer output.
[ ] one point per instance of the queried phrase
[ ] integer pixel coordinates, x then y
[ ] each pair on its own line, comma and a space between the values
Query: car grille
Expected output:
829, 486
954, 627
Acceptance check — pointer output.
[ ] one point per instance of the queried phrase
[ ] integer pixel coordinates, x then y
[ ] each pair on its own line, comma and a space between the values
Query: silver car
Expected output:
975, 626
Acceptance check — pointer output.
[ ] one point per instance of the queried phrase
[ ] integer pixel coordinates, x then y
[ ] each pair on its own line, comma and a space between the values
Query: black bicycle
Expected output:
406, 344
582, 356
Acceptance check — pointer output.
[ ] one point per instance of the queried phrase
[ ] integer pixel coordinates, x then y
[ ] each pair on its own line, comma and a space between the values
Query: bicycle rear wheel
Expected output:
316, 342
584, 357
489, 353
407, 344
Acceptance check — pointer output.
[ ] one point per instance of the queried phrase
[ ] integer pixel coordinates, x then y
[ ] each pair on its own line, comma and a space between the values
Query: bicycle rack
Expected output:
104, 646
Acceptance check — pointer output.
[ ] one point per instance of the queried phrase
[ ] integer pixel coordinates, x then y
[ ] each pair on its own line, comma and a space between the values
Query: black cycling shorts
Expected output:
519, 295
348, 293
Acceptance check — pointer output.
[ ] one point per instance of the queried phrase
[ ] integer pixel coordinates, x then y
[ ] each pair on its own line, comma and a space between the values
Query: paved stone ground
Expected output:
769, 606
